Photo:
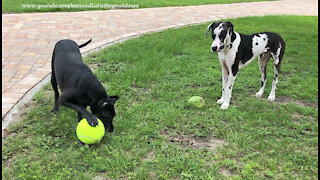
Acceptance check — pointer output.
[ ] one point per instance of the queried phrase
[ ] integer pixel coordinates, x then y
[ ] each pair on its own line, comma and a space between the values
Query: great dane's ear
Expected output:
209, 27
227, 26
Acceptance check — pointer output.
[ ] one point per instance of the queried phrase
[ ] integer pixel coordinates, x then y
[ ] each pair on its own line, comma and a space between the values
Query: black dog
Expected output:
79, 87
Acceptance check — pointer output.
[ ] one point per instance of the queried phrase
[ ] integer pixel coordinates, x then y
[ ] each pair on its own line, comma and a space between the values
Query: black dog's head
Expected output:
220, 32
105, 111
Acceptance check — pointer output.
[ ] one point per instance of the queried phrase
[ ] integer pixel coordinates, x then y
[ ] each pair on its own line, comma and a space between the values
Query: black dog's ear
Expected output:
227, 26
109, 101
113, 99
209, 27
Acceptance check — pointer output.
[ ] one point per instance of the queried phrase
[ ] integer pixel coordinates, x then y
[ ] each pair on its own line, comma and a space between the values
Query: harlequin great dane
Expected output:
236, 50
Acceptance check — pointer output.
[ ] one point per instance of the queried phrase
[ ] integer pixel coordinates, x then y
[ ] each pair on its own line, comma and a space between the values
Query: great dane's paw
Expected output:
220, 101
271, 97
225, 106
259, 94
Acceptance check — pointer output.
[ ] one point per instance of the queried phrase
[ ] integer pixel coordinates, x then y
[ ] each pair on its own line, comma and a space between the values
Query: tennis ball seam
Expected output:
87, 137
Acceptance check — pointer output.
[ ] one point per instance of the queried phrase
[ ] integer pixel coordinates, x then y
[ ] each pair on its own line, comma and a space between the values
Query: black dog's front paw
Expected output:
92, 121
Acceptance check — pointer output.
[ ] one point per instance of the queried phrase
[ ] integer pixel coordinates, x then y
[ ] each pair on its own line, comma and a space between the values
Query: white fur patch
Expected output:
276, 60
259, 44
229, 55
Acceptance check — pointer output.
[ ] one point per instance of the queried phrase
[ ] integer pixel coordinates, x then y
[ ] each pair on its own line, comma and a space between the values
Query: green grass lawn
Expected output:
157, 136
15, 6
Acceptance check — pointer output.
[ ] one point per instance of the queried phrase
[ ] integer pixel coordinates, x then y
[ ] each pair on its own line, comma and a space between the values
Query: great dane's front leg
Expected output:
228, 90
225, 76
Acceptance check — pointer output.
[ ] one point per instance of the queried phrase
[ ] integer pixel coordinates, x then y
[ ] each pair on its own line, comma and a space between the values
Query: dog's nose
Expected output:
221, 47
214, 48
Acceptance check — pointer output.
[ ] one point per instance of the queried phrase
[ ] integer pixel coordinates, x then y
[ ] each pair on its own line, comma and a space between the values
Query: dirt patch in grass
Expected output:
8, 161
297, 118
139, 90
149, 156
225, 172
99, 178
195, 143
284, 100
7, 133
102, 177
94, 66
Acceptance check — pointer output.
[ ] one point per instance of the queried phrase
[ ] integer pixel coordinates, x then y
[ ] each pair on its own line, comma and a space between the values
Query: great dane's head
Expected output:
221, 32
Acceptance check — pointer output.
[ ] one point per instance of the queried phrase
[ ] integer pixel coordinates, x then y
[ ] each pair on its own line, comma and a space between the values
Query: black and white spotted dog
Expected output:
237, 50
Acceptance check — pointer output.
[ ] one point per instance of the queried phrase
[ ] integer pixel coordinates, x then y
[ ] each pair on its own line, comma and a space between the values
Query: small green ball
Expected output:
88, 134
196, 102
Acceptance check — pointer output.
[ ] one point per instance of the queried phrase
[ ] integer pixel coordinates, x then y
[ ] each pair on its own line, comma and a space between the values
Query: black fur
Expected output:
79, 87
233, 37
245, 48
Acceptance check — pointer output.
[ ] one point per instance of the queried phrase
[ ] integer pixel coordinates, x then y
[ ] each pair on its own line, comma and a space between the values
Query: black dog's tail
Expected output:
82, 45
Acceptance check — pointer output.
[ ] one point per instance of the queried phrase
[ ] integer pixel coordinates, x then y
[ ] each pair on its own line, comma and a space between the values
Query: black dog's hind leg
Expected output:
56, 93
55, 89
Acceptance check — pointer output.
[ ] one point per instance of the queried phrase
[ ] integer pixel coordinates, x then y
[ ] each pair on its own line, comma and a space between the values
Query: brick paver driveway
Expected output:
28, 39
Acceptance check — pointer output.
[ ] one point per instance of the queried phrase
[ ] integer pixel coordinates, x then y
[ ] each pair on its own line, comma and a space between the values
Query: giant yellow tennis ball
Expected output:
88, 134
196, 102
